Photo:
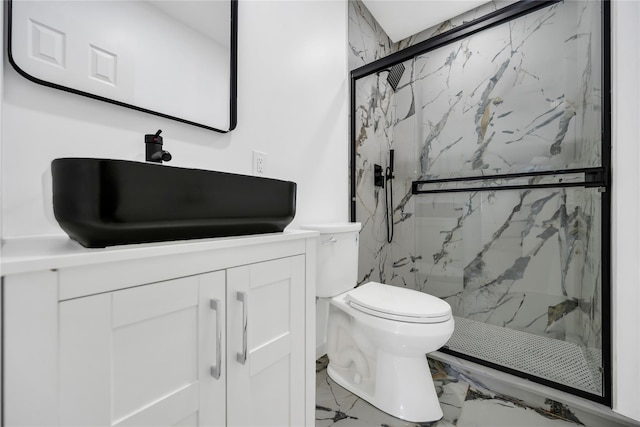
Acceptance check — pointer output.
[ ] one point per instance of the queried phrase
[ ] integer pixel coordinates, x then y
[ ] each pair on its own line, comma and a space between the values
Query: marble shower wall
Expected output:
524, 96
520, 97
368, 43
524, 259
367, 40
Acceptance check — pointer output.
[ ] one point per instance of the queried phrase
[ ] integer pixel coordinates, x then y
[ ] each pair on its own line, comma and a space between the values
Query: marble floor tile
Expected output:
336, 406
464, 400
483, 408
497, 413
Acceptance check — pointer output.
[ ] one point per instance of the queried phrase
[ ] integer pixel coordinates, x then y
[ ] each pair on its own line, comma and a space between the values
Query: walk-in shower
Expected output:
500, 130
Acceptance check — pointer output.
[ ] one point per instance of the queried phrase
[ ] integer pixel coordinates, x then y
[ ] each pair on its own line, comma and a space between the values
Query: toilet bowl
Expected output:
378, 335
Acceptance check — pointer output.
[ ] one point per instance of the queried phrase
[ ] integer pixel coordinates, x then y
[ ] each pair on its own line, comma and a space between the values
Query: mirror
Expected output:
172, 58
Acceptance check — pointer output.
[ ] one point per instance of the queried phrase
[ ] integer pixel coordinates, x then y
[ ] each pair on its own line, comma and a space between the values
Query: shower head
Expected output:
395, 73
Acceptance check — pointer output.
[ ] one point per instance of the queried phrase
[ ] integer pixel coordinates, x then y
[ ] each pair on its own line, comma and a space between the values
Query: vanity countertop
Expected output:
22, 255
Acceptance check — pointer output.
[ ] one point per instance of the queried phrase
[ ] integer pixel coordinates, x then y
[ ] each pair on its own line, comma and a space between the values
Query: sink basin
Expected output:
103, 202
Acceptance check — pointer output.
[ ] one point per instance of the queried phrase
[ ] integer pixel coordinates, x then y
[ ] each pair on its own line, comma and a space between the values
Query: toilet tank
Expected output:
337, 257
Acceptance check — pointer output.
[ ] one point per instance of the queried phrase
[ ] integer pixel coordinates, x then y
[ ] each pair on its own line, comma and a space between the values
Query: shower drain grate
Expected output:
559, 361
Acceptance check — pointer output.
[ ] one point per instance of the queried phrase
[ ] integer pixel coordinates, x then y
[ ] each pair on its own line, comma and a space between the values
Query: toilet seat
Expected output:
394, 303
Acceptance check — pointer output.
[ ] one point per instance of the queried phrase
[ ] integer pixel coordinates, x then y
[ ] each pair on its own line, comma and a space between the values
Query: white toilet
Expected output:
378, 335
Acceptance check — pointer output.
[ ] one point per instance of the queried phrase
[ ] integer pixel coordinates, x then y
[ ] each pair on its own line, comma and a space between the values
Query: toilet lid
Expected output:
392, 302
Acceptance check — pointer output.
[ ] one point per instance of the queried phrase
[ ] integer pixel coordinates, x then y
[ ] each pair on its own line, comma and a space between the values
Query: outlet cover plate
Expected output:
259, 162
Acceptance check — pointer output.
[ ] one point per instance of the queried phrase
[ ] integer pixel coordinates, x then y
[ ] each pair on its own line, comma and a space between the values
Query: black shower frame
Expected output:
490, 20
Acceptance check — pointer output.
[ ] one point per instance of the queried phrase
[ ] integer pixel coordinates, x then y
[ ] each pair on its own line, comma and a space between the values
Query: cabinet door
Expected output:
266, 346
143, 356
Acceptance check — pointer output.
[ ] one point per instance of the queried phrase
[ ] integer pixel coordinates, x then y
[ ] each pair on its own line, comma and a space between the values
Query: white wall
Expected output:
292, 105
1, 303
626, 207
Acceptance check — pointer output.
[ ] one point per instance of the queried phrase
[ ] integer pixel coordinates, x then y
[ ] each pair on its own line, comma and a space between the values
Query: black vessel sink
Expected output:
102, 202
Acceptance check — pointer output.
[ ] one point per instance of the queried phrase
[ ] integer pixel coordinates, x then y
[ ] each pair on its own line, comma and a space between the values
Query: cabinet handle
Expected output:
215, 370
243, 297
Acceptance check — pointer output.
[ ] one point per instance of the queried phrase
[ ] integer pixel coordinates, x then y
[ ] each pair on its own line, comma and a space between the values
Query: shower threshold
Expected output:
553, 360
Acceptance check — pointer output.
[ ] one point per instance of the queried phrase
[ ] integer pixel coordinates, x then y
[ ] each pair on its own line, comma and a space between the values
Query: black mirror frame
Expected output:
233, 59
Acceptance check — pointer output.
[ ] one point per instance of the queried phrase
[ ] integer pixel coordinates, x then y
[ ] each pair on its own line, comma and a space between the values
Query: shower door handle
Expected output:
216, 369
243, 297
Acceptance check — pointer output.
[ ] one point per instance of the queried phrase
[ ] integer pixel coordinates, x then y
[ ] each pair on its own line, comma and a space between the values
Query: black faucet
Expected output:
154, 151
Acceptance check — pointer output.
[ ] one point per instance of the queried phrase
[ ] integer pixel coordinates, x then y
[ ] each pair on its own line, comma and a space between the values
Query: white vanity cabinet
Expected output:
142, 356
265, 342
218, 334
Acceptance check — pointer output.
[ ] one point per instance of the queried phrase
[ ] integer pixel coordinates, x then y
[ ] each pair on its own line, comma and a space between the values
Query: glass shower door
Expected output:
511, 190
501, 195
521, 269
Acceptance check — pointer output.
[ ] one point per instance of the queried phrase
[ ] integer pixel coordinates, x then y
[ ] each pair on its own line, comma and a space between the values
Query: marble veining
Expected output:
367, 40
520, 97
465, 399
512, 113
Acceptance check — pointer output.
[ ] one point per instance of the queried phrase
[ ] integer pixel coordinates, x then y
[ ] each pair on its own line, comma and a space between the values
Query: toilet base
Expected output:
403, 387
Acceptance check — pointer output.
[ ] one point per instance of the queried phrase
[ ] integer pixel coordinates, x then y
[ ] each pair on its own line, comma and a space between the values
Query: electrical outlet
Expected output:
259, 163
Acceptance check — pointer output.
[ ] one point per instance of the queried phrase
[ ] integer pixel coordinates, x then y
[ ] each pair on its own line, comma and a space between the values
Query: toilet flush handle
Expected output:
331, 241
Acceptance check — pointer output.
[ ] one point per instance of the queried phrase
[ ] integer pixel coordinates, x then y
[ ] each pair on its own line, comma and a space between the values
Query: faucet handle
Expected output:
154, 151
153, 138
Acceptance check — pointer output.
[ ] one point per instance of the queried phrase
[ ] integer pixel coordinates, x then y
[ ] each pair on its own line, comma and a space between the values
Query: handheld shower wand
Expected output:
389, 190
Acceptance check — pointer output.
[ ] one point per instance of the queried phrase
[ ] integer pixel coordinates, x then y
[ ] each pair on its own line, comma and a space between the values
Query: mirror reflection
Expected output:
172, 58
